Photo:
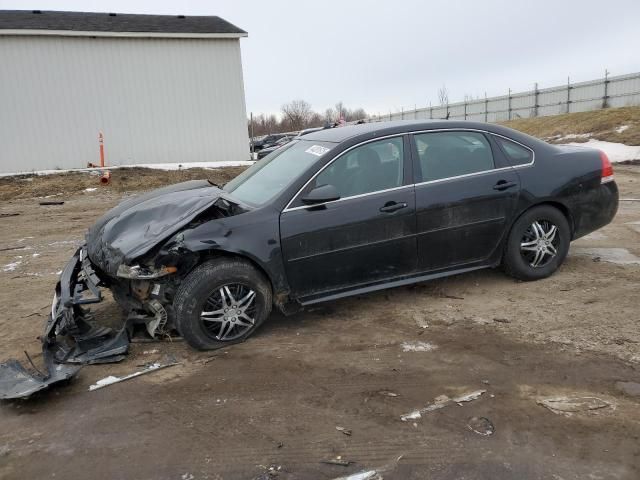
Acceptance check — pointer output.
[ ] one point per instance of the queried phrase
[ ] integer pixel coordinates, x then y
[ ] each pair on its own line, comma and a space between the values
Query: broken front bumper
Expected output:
70, 339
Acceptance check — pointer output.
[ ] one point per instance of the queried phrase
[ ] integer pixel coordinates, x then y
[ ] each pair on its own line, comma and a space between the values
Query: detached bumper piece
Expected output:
18, 382
70, 339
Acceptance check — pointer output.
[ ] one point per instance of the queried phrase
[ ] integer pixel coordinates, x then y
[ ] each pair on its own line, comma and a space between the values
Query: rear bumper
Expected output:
597, 209
70, 339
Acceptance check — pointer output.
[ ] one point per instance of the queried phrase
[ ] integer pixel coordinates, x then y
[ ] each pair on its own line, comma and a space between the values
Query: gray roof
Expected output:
115, 22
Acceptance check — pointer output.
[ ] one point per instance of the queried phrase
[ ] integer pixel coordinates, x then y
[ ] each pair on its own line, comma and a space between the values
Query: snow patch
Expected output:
182, 166
617, 152
418, 347
90, 189
572, 136
65, 242
622, 128
158, 166
10, 267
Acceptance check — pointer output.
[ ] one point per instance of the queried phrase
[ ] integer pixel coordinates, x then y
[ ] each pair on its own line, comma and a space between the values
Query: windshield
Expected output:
266, 178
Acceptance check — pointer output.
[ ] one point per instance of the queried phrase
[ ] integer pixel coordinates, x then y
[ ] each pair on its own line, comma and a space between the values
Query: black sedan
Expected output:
335, 213
338, 212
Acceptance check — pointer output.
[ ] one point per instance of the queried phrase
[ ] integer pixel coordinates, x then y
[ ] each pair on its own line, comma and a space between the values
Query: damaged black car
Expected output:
335, 213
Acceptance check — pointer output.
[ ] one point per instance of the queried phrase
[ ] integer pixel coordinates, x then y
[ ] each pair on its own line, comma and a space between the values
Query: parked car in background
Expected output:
267, 141
280, 143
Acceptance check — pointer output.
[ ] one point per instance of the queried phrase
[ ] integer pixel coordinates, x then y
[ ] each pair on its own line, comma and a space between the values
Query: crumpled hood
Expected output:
135, 226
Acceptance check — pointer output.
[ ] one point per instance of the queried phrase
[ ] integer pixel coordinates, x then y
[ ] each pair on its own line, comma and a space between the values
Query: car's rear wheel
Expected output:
538, 244
221, 302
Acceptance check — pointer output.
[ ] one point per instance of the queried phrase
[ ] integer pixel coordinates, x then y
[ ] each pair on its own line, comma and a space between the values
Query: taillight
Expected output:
607, 169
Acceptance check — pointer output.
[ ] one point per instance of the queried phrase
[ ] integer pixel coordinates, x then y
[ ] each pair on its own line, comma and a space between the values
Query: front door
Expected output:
465, 198
367, 235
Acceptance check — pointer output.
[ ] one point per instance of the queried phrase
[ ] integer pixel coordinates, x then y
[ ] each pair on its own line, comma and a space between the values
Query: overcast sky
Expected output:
384, 55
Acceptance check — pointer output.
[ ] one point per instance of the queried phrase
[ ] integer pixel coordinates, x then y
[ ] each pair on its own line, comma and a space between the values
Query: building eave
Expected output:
77, 33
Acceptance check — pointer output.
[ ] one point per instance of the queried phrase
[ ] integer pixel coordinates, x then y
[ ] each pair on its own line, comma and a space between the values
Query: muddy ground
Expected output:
269, 408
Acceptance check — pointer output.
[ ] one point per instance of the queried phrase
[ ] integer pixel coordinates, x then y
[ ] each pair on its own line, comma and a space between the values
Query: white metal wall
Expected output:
620, 91
155, 100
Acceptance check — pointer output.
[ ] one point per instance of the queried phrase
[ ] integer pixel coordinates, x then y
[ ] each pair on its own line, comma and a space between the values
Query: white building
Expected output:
160, 88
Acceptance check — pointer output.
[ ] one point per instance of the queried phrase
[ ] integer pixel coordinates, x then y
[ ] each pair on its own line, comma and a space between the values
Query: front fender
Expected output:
252, 235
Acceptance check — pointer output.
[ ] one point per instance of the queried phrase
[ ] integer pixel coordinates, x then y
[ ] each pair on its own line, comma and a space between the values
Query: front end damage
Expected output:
137, 251
70, 338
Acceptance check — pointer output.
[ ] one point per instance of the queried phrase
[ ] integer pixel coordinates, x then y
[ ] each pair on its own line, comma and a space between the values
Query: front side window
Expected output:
517, 154
369, 168
451, 154
267, 178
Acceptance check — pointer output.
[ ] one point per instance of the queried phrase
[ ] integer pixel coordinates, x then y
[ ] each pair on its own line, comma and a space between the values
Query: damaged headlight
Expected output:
138, 272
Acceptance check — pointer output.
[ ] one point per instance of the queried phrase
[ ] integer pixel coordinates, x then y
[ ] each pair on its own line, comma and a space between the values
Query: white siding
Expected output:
155, 100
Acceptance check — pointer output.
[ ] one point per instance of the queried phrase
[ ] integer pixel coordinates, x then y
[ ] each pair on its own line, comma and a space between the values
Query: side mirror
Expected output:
321, 194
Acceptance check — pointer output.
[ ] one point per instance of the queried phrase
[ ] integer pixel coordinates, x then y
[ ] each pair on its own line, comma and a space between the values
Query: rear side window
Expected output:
517, 154
451, 154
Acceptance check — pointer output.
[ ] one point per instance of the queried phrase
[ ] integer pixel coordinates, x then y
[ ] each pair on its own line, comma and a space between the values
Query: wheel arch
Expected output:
557, 205
219, 253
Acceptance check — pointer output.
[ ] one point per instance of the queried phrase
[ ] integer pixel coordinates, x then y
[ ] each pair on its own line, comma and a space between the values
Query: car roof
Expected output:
379, 129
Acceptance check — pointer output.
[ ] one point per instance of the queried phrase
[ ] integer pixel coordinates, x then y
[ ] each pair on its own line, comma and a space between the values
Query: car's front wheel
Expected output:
221, 302
538, 244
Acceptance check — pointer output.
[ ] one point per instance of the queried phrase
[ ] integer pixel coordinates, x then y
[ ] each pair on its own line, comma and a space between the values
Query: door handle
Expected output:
503, 185
392, 207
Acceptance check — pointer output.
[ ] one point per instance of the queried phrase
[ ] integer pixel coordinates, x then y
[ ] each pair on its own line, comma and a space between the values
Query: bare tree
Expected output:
347, 114
339, 110
264, 125
296, 114
443, 95
315, 120
330, 115
270, 124
356, 114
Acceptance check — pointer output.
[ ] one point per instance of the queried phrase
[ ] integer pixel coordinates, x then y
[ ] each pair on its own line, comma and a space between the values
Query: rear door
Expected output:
367, 235
465, 198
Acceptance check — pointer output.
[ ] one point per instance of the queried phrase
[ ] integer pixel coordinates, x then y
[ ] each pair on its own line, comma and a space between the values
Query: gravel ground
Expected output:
269, 408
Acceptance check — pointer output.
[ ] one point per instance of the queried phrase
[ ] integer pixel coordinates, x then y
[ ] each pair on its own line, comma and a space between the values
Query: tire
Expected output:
526, 243
201, 316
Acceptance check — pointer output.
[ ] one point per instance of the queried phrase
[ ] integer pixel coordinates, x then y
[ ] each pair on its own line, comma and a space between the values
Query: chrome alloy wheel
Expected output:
539, 244
229, 312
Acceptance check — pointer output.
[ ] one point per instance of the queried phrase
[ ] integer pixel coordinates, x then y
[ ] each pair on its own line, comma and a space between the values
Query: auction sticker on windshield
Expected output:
317, 150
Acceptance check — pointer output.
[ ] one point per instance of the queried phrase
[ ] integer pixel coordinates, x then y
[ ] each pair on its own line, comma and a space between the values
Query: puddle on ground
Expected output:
595, 236
634, 225
619, 256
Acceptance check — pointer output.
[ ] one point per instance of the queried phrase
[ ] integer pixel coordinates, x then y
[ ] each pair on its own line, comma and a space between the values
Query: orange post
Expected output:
101, 142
